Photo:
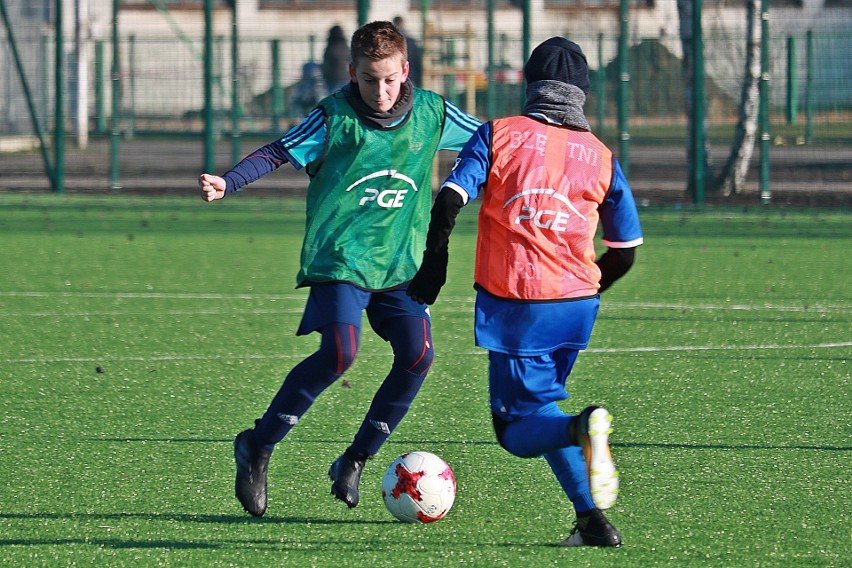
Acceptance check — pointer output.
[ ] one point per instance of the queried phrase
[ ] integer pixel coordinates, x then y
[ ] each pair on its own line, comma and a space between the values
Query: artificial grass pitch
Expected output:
141, 334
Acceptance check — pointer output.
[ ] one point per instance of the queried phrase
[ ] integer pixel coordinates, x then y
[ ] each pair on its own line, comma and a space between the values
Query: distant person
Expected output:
335, 60
309, 90
547, 185
368, 149
415, 54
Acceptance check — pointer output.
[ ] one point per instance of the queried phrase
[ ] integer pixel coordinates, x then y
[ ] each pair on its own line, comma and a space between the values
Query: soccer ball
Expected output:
419, 487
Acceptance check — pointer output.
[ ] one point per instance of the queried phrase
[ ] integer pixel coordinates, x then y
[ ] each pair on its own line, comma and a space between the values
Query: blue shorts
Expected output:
344, 303
519, 386
533, 328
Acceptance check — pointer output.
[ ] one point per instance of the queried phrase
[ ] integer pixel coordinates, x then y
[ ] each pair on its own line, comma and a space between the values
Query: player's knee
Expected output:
335, 362
414, 355
339, 348
411, 339
507, 436
499, 427
344, 360
418, 361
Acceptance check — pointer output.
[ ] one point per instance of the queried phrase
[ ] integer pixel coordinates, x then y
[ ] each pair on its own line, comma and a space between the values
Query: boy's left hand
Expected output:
427, 283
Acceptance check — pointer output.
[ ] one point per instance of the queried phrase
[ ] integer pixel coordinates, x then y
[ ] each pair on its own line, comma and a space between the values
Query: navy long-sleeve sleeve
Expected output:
259, 163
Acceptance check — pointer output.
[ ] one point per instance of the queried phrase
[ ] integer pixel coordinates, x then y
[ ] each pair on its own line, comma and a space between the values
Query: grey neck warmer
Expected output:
560, 102
381, 119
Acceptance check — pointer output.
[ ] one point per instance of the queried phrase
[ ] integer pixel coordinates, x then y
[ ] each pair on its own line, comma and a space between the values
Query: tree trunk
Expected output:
732, 177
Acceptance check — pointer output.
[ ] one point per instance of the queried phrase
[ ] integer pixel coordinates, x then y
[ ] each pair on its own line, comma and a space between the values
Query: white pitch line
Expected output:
456, 311
717, 348
608, 350
155, 295
260, 356
605, 305
733, 307
147, 359
170, 313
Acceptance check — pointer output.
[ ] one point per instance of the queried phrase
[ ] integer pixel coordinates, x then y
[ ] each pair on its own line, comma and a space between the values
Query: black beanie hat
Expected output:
558, 59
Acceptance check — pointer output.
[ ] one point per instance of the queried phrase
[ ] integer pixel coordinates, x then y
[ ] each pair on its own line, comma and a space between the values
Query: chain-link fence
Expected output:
264, 84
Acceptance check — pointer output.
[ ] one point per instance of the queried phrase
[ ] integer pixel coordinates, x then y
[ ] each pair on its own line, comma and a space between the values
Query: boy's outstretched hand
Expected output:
212, 187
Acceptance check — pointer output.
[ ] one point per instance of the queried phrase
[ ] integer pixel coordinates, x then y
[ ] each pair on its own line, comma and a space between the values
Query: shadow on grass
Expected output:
112, 543
729, 447
190, 518
331, 442
276, 544
168, 544
494, 443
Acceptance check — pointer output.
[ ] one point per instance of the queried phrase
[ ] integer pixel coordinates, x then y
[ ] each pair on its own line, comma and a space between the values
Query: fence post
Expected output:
115, 79
792, 83
209, 136
44, 78
763, 112
600, 85
623, 82
452, 95
235, 86
809, 85
59, 106
276, 93
698, 115
363, 11
525, 45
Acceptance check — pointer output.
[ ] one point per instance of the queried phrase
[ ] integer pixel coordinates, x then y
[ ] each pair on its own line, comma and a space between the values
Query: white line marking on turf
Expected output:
152, 358
170, 313
735, 307
156, 295
717, 348
260, 356
605, 305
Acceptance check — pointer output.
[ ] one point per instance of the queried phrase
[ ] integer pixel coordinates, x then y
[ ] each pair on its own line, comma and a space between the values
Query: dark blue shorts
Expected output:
344, 303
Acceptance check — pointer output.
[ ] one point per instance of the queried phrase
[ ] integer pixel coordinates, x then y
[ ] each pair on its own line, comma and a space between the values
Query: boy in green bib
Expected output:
368, 149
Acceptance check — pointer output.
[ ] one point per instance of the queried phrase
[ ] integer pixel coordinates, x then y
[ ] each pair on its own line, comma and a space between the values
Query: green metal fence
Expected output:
157, 86
161, 82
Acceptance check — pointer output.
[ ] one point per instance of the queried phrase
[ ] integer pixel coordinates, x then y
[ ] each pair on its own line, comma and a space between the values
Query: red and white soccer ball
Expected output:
419, 487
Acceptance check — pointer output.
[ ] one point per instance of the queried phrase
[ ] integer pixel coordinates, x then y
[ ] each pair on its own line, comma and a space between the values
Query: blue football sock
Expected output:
546, 433
569, 467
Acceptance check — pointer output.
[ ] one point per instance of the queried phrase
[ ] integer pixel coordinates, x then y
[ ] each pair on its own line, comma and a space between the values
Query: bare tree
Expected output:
732, 176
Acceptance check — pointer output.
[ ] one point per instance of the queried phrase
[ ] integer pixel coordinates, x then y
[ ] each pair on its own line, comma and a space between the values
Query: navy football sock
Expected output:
389, 407
305, 382
411, 339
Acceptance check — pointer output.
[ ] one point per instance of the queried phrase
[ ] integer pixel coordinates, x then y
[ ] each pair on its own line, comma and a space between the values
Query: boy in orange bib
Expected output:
547, 184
